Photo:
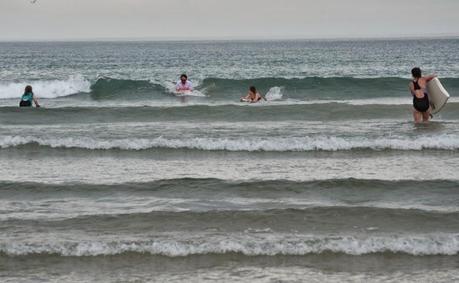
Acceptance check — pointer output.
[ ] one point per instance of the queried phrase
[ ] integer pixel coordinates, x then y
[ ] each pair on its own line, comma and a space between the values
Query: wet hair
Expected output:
253, 89
28, 89
416, 72
184, 76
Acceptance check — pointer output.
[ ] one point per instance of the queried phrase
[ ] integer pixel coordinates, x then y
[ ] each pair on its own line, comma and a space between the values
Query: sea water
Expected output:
116, 179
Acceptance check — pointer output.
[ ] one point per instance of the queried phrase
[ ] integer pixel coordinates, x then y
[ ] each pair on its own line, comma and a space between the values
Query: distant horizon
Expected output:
245, 39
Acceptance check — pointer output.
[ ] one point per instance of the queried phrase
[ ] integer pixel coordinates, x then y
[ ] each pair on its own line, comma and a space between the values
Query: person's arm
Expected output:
35, 100
190, 86
247, 97
412, 90
177, 87
429, 78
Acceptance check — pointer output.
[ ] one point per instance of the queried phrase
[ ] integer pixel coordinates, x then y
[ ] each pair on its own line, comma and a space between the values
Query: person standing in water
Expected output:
253, 96
28, 97
421, 103
184, 85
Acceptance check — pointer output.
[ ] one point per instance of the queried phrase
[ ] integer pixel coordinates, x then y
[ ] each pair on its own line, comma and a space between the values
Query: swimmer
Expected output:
184, 85
28, 97
421, 104
253, 96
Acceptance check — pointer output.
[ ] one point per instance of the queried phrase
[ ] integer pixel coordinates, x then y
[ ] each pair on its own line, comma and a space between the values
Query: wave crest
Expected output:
308, 88
110, 88
46, 89
320, 143
246, 244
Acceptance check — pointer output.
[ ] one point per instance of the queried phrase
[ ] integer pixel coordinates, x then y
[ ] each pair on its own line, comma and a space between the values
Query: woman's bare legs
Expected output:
425, 116
417, 116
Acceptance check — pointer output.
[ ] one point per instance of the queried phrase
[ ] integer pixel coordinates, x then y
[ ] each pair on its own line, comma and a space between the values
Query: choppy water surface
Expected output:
117, 179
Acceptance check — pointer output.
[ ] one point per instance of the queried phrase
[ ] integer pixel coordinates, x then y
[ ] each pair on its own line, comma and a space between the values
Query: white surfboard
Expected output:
183, 93
438, 96
194, 93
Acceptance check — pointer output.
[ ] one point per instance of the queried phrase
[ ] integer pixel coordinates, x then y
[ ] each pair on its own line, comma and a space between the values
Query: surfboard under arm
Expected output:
438, 96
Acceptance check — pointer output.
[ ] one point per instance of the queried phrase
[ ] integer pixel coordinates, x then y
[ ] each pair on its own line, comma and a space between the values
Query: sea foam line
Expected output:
297, 144
247, 244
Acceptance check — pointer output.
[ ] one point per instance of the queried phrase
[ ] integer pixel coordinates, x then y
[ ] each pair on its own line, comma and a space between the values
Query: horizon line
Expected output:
223, 39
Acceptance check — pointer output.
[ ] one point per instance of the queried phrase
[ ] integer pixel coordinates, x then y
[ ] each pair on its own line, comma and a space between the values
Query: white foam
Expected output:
274, 93
250, 244
284, 273
370, 101
46, 89
319, 143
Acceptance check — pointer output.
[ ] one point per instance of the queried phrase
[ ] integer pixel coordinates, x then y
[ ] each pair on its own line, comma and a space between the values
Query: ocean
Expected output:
116, 179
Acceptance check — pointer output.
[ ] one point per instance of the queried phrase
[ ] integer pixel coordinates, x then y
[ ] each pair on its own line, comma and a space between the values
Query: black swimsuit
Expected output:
25, 103
420, 104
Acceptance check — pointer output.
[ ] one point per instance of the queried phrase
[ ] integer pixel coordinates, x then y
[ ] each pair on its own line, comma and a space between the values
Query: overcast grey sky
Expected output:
206, 19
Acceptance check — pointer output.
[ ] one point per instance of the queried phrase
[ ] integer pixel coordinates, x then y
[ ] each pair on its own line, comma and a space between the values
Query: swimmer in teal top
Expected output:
28, 97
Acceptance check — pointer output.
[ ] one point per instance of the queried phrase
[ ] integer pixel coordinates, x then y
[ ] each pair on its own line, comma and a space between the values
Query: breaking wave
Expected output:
246, 244
46, 89
270, 144
309, 88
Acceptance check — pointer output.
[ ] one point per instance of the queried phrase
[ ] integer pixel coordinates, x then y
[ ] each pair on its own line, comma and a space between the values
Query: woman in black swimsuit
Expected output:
418, 90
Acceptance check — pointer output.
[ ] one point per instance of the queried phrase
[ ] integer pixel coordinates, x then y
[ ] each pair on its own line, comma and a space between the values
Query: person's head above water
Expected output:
28, 89
416, 72
253, 89
183, 78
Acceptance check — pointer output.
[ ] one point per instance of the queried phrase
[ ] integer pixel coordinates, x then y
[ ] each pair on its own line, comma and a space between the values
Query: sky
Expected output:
232, 19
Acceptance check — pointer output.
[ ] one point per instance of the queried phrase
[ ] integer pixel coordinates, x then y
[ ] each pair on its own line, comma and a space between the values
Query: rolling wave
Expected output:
309, 88
265, 113
275, 88
213, 198
250, 245
339, 219
46, 89
194, 186
271, 144
106, 88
